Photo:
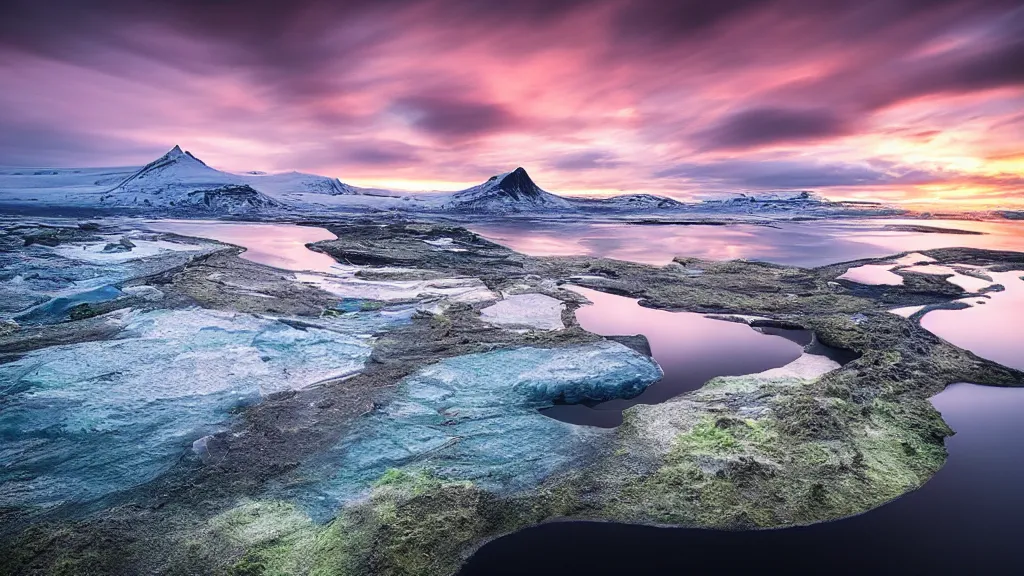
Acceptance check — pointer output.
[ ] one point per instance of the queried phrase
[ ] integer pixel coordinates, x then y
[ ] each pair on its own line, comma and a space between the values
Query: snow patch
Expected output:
467, 290
807, 366
533, 310
94, 252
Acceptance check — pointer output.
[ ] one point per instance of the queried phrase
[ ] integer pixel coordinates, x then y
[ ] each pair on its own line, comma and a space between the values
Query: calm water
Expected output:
992, 327
278, 245
966, 520
797, 243
689, 347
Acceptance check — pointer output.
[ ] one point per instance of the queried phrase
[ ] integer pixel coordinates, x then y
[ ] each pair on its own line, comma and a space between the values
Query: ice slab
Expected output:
57, 309
807, 366
85, 420
468, 290
475, 417
95, 252
907, 311
533, 310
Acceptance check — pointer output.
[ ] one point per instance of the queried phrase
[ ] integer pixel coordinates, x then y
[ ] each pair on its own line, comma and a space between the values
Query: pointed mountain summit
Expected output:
172, 169
517, 185
512, 191
180, 181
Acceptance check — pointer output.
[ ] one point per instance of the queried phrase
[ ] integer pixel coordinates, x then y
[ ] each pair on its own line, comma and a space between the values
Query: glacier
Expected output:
82, 421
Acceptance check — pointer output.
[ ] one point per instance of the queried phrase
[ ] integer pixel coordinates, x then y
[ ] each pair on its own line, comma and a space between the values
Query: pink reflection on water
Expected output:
968, 283
690, 348
873, 275
992, 330
277, 245
814, 243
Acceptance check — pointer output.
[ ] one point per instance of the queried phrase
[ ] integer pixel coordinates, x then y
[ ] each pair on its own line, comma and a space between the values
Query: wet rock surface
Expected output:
409, 461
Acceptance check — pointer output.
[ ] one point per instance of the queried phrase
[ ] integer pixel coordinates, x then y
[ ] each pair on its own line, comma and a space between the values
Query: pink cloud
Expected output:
639, 96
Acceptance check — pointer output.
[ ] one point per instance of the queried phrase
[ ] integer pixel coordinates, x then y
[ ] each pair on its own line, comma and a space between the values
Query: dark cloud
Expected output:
307, 72
762, 126
380, 156
373, 153
39, 145
672, 20
454, 117
784, 174
998, 63
586, 160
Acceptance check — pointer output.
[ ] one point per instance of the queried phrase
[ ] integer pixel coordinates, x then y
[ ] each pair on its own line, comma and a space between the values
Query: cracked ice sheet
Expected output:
467, 290
475, 417
533, 310
85, 420
93, 251
34, 274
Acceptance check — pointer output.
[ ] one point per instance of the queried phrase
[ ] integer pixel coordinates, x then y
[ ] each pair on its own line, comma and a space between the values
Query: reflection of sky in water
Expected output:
873, 274
966, 520
690, 348
278, 245
796, 243
994, 330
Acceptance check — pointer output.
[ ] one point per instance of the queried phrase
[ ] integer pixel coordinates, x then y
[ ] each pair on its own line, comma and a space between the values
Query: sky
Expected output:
903, 101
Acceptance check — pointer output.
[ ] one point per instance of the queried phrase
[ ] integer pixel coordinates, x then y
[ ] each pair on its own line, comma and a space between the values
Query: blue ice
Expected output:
475, 417
81, 421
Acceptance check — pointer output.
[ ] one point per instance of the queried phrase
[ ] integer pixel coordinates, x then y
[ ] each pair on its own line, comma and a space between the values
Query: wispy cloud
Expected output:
672, 97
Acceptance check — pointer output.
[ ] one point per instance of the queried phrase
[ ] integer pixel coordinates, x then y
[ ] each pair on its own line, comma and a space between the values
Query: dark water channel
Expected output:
691, 349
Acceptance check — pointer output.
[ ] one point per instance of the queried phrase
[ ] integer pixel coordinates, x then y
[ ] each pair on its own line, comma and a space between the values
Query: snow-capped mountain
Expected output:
631, 202
797, 203
175, 169
180, 183
515, 191
179, 180
287, 182
510, 192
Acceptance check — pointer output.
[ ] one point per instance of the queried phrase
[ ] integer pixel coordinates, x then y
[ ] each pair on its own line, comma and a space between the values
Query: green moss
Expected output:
83, 311
706, 437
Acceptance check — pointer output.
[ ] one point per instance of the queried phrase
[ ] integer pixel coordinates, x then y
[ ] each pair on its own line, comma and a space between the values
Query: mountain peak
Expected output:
518, 183
510, 192
176, 154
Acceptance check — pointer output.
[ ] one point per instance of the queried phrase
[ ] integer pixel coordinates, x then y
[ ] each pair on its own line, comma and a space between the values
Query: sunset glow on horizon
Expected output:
902, 101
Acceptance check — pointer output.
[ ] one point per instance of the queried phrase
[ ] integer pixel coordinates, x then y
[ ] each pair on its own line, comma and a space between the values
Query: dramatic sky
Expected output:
898, 100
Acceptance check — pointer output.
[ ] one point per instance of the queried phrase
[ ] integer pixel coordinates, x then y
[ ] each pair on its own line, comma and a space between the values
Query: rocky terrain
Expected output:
269, 422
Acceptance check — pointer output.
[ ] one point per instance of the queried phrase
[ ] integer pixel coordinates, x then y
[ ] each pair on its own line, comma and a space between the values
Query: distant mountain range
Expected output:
180, 183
